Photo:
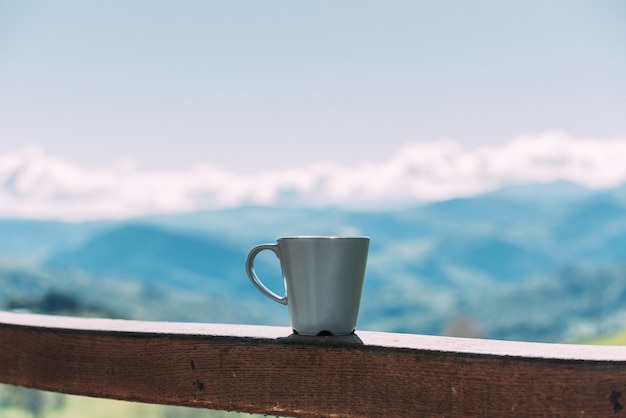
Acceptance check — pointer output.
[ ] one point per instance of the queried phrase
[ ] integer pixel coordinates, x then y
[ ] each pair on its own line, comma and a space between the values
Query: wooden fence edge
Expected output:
266, 370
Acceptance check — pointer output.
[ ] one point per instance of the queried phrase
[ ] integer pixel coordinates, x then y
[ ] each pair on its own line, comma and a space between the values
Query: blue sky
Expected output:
249, 85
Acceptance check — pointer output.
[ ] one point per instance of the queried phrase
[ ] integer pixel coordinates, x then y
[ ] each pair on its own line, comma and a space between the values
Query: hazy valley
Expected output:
543, 263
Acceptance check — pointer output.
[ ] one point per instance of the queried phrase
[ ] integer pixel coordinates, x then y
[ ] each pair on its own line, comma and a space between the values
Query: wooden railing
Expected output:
266, 370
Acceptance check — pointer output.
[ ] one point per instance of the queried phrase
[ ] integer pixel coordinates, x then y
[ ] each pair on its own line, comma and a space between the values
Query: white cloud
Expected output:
34, 184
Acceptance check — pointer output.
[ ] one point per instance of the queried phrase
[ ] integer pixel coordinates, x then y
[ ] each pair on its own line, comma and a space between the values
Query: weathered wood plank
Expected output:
261, 369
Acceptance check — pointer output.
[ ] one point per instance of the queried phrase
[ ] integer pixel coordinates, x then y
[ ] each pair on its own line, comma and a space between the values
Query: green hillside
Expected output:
618, 338
27, 403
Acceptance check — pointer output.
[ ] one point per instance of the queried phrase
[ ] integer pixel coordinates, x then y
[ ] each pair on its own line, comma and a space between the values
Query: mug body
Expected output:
323, 282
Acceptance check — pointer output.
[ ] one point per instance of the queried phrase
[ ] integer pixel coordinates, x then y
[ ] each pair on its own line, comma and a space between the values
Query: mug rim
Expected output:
323, 237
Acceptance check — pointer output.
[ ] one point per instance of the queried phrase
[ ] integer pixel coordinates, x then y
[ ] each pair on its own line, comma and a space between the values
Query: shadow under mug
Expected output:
323, 278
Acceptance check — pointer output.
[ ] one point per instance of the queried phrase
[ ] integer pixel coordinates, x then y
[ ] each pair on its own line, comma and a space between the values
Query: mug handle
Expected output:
255, 279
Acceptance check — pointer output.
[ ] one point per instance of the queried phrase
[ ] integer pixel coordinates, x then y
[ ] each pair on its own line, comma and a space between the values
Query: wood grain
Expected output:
264, 370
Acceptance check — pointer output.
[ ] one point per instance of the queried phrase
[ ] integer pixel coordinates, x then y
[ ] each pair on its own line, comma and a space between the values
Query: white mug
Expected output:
323, 278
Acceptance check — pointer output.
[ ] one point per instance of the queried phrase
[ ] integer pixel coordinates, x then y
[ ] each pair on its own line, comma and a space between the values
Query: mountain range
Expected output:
533, 262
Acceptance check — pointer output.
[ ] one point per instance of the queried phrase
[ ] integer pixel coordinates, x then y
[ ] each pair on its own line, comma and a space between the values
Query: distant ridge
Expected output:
156, 255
